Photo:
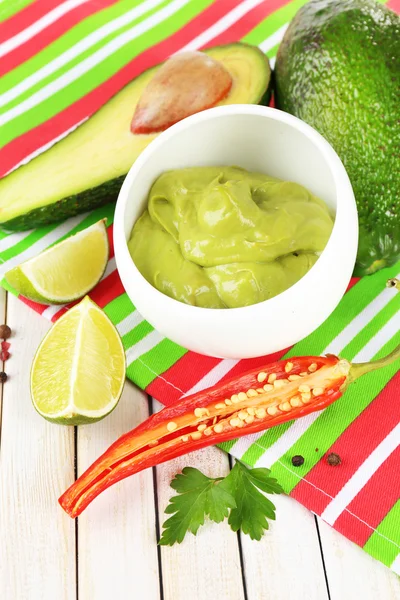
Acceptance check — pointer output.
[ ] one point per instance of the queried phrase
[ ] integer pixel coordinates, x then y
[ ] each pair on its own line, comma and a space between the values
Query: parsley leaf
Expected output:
198, 497
252, 509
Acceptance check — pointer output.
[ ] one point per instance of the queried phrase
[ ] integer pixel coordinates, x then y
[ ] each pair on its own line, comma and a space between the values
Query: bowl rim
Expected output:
339, 175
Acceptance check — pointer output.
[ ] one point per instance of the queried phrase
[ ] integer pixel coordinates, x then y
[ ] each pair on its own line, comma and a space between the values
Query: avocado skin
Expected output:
67, 207
338, 69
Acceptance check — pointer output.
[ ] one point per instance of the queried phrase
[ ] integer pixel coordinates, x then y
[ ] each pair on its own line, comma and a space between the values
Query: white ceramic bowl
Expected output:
260, 139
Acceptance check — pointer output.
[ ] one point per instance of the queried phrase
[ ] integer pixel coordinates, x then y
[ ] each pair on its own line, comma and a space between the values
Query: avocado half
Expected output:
338, 69
86, 169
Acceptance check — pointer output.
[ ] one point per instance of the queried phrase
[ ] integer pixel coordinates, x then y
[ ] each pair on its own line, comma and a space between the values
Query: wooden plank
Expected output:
37, 539
352, 573
286, 563
3, 319
207, 565
117, 544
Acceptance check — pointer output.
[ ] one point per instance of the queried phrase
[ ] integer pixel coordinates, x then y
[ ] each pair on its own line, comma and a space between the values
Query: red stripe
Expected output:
25, 17
373, 502
192, 367
110, 236
353, 446
15, 151
394, 5
49, 34
352, 283
248, 21
39, 308
181, 377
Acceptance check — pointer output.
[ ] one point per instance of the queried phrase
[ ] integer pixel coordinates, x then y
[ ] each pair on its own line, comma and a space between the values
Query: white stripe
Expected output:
221, 25
110, 268
365, 316
355, 484
213, 376
130, 322
12, 239
379, 340
298, 428
78, 49
42, 244
45, 146
395, 566
273, 39
90, 62
145, 345
52, 310
28, 33
272, 62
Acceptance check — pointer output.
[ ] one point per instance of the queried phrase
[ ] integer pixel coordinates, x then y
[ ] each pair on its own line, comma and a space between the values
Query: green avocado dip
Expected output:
222, 237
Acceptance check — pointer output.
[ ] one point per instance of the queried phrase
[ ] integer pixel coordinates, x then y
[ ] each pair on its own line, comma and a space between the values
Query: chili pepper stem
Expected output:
359, 369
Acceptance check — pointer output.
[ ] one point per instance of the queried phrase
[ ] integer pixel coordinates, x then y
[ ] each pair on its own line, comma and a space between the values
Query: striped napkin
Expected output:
63, 59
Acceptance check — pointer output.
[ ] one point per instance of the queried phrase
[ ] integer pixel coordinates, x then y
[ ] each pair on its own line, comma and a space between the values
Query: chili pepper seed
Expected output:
294, 377
313, 367
272, 378
196, 435
218, 428
288, 367
285, 406
268, 387
333, 459
304, 389
261, 377
318, 391
297, 460
171, 426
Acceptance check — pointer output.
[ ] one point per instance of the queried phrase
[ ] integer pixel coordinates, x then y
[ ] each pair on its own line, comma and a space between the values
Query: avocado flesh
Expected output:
86, 169
338, 69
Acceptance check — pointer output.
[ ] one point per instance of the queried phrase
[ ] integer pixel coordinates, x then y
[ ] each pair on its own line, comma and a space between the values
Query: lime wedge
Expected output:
66, 271
79, 369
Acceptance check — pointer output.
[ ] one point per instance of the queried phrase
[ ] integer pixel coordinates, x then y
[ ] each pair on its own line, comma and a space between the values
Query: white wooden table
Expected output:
111, 551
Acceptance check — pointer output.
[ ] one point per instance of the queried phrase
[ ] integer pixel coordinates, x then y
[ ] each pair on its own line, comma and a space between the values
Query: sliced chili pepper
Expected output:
255, 401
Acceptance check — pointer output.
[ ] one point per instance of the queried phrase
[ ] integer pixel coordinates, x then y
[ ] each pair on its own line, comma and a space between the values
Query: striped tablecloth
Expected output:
60, 60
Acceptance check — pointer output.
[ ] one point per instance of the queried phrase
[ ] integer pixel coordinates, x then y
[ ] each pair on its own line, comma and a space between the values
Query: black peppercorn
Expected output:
297, 460
5, 332
3, 377
333, 459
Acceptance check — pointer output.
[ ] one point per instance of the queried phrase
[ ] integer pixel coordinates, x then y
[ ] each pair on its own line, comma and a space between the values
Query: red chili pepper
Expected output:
5, 346
255, 401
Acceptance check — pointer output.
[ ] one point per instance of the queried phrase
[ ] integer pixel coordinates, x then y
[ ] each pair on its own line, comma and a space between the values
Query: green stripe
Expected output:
352, 303
383, 548
32, 238
146, 368
8, 8
371, 328
71, 37
119, 308
100, 73
136, 334
333, 421
273, 22
227, 446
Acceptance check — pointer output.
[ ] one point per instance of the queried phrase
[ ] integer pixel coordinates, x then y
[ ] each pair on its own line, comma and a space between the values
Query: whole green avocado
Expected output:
338, 69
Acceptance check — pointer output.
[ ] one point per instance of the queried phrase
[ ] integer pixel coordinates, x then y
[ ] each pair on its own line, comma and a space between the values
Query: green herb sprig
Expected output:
236, 496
